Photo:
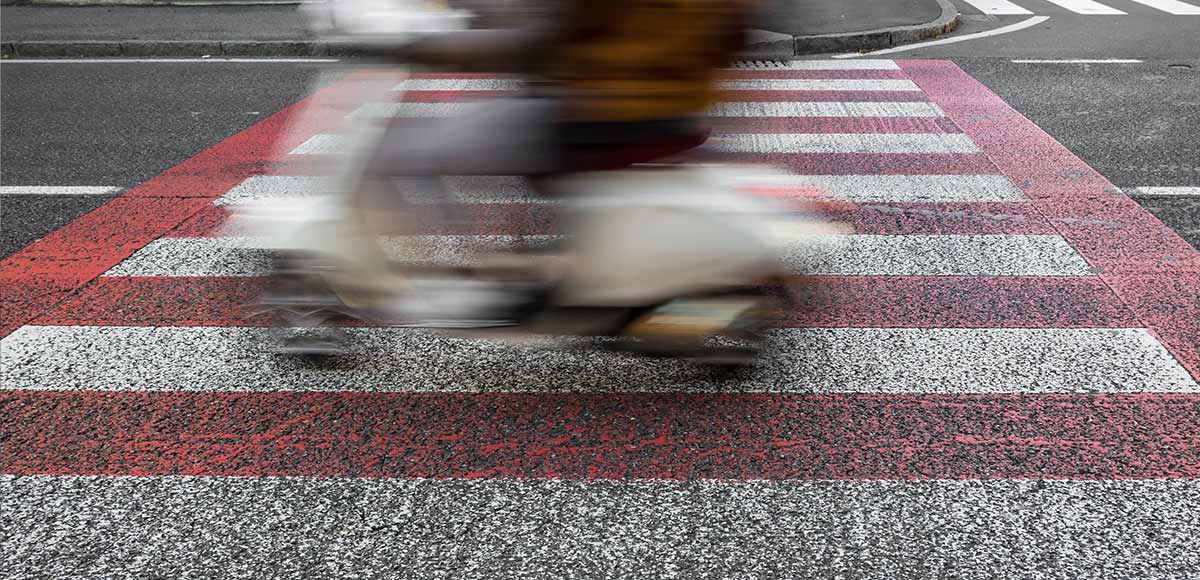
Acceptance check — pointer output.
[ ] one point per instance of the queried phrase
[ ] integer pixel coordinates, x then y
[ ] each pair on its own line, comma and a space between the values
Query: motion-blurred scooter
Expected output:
684, 261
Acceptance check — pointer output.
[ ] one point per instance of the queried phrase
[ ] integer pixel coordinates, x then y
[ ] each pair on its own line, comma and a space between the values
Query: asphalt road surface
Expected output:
1001, 381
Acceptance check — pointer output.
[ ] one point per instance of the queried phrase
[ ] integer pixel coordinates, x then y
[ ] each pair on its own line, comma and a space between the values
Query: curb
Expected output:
763, 44
183, 48
774, 44
137, 3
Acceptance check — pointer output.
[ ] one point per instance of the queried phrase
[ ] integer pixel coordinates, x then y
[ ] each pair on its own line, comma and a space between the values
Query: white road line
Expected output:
819, 65
497, 189
727, 109
803, 360
933, 255
242, 256
458, 85
848, 255
825, 109
768, 143
1171, 7
154, 527
820, 85
59, 190
906, 188
1077, 61
1171, 191
743, 85
1087, 7
468, 189
998, 7
859, 188
1022, 25
843, 143
555, 528
163, 60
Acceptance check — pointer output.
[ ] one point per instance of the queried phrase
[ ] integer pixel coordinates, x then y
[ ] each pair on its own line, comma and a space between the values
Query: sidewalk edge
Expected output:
763, 44
771, 44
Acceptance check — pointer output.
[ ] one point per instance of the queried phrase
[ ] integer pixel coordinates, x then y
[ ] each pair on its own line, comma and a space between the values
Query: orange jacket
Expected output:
646, 59
611, 60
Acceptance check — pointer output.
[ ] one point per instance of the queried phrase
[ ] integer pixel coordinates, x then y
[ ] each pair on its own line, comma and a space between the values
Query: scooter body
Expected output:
666, 260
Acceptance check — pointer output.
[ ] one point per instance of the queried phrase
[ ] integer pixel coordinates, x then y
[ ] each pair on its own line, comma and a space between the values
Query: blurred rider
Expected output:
618, 82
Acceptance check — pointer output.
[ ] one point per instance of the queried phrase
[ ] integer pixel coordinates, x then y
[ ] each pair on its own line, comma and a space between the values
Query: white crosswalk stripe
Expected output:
1084, 7
767, 143
844, 255
416, 528
851, 360
858, 188
998, 7
739, 85
1171, 7
752, 109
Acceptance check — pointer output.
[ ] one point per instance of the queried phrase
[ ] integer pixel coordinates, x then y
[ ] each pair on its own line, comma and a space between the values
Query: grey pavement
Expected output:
804, 17
282, 22
47, 23
163, 30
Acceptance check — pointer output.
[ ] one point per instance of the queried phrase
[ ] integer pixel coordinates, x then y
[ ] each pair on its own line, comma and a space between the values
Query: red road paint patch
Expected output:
1123, 241
958, 302
676, 436
884, 218
821, 301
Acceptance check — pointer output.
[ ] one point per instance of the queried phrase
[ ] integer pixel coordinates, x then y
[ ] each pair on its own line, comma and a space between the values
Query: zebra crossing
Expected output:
1086, 7
997, 379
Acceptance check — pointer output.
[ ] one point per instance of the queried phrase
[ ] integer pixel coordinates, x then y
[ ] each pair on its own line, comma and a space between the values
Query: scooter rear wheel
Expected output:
736, 343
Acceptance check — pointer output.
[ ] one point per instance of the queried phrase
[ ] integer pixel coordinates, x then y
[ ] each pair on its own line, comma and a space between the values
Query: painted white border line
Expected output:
803, 360
884, 143
163, 60
1167, 191
726, 109
1077, 61
59, 190
496, 84
505, 189
1034, 21
838, 255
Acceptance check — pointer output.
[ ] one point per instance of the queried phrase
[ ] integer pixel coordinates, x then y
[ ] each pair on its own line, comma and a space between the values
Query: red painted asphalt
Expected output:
608, 436
1150, 267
